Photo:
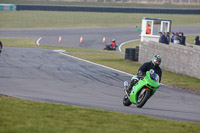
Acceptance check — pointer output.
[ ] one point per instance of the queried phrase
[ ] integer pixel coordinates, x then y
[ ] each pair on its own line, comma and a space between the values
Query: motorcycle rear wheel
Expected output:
142, 98
126, 101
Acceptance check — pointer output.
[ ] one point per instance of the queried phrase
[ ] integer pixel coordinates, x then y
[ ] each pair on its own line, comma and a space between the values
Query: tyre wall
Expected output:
107, 9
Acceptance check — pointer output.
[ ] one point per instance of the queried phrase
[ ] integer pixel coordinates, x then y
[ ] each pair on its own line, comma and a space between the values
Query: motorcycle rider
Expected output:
148, 29
153, 64
113, 42
1, 46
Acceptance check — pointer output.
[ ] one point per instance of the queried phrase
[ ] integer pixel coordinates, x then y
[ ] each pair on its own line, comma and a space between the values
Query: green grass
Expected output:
190, 38
21, 42
23, 116
114, 61
112, 4
118, 62
31, 43
132, 44
43, 19
177, 80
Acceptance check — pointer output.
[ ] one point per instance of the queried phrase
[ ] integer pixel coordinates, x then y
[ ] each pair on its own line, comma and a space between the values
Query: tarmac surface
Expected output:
45, 75
92, 37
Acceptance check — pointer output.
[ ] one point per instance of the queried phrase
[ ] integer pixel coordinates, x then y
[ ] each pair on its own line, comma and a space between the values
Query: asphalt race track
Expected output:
45, 75
92, 37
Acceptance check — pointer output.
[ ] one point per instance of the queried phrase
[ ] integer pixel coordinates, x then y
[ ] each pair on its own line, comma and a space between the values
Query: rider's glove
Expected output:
140, 73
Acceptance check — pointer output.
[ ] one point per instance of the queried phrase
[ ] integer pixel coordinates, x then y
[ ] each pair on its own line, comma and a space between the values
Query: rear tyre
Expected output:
142, 98
0, 49
126, 101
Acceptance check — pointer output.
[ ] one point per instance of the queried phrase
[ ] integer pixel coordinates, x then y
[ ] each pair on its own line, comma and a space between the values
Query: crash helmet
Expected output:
156, 60
113, 39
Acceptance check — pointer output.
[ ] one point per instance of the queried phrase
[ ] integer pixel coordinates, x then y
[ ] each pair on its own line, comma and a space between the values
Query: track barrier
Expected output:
132, 54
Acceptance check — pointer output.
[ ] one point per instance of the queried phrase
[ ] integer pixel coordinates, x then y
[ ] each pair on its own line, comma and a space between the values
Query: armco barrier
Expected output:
107, 9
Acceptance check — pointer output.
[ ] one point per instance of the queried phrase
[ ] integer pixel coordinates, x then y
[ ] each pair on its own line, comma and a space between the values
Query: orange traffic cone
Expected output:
104, 39
60, 39
81, 39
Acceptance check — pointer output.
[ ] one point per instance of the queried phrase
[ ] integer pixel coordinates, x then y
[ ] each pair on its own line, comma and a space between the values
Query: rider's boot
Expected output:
131, 85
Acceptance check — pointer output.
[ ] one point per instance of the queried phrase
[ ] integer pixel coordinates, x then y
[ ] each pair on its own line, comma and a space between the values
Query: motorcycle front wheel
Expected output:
126, 101
142, 98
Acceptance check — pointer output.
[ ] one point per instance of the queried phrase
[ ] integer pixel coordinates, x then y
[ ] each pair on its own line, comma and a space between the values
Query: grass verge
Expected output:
113, 60
31, 43
190, 38
132, 44
118, 62
22, 116
44, 19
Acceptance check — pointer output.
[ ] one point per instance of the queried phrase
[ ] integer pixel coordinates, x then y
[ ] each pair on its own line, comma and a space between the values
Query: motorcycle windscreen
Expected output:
154, 76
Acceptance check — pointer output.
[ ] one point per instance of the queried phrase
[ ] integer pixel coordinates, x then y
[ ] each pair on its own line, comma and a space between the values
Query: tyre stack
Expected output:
132, 54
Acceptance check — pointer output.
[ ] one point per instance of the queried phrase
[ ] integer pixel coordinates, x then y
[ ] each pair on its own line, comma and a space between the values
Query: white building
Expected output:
156, 25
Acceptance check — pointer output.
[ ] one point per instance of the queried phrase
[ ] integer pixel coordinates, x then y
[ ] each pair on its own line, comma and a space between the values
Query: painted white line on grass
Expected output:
95, 63
38, 41
125, 43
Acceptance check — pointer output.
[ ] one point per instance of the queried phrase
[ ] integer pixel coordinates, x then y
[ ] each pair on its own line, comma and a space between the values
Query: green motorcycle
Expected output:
142, 90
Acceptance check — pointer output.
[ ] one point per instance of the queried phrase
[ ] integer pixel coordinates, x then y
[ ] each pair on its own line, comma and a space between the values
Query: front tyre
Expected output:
142, 98
126, 101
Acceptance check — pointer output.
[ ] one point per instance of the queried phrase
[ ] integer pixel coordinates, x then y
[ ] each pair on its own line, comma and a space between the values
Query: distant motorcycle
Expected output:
1, 47
110, 47
142, 90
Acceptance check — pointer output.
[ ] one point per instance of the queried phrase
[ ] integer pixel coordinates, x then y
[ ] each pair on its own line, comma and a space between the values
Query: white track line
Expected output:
125, 43
59, 50
62, 53
38, 41
95, 63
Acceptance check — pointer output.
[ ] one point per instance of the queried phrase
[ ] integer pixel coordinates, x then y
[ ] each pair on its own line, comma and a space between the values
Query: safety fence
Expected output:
107, 9
180, 2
